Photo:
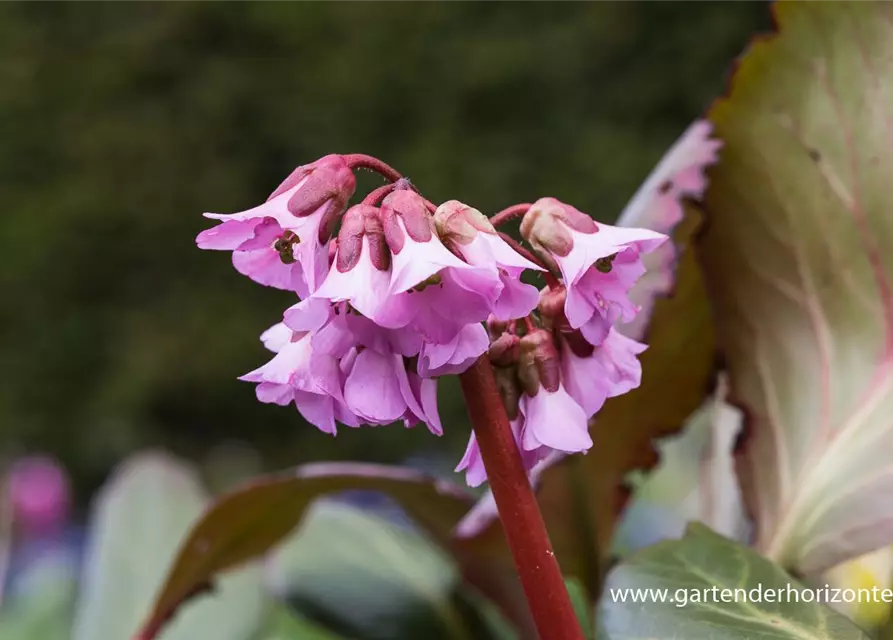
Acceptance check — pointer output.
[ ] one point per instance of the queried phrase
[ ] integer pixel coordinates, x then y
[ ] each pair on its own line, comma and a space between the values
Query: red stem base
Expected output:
519, 513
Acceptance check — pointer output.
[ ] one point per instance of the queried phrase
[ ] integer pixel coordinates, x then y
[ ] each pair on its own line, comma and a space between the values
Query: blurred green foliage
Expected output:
121, 123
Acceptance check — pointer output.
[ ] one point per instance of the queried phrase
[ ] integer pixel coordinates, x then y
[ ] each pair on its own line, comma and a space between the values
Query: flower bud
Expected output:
546, 226
496, 327
504, 350
551, 304
460, 223
411, 208
539, 362
509, 390
362, 221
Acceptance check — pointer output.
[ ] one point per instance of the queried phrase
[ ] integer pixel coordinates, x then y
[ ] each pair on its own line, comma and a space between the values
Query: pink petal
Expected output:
418, 261
585, 380
276, 208
427, 393
455, 356
364, 286
276, 337
318, 410
309, 314
270, 393
372, 389
266, 267
473, 464
554, 420
227, 236
516, 300
293, 357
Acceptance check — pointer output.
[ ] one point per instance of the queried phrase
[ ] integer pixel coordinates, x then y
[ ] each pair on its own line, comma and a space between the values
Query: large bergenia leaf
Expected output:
695, 482
658, 205
135, 528
706, 587
799, 259
249, 521
676, 371
375, 579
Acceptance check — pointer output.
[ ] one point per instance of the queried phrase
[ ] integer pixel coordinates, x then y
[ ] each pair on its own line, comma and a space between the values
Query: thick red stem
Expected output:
362, 161
519, 513
509, 213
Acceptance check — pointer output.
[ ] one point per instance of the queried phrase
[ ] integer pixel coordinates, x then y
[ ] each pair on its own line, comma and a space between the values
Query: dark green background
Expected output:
120, 123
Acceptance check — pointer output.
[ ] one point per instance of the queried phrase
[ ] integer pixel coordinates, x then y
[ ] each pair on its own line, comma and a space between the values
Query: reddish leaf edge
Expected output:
172, 596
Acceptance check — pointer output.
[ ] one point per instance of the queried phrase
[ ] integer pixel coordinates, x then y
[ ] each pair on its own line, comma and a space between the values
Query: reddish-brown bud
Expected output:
379, 253
551, 304
504, 350
509, 390
411, 208
362, 221
496, 327
326, 179
539, 363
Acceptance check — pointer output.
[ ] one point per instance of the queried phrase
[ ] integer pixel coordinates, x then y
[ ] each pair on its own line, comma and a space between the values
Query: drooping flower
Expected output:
599, 263
473, 464
591, 375
282, 243
432, 290
469, 233
392, 268
380, 385
297, 373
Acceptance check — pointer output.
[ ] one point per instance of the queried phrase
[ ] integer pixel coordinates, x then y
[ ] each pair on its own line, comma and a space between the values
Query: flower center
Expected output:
284, 245
604, 265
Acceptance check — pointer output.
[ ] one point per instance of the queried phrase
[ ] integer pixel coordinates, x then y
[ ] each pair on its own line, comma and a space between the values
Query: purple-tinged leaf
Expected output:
798, 256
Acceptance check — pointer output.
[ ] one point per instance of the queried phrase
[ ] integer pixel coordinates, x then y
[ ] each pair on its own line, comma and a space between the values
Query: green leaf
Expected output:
137, 524
580, 601
284, 624
248, 522
370, 578
686, 572
798, 258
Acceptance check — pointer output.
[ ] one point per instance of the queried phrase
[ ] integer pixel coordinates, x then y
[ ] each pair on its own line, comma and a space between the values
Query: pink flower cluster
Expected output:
395, 292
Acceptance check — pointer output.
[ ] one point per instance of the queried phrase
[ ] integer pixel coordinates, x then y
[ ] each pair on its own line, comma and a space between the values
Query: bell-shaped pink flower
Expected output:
283, 242
378, 389
361, 271
593, 374
379, 386
455, 356
311, 380
599, 263
432, 290
553, 421
469, 233
473, 465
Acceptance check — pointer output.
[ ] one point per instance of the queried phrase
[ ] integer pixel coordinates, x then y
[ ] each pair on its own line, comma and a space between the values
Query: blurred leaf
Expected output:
43, 609
484, 617
247, 522
370, 578
137, 523
695, 481
581, 602
285, 624
700, 562
797, 254
659, 205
